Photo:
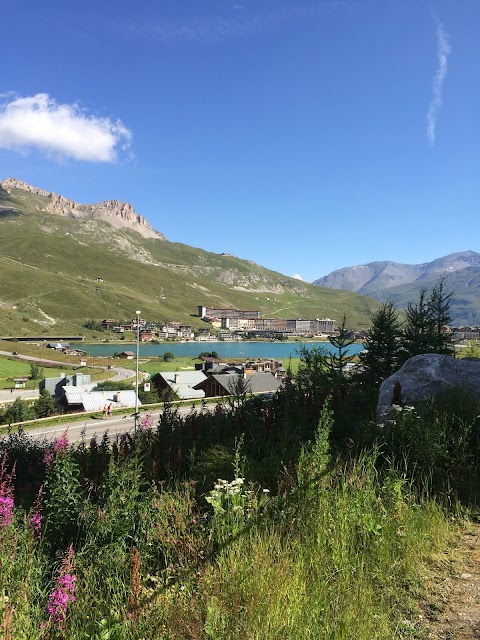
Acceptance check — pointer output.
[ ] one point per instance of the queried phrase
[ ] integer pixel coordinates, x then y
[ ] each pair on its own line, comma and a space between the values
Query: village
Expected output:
225, 325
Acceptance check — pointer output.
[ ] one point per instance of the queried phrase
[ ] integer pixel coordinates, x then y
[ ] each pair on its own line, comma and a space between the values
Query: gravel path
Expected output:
460, 592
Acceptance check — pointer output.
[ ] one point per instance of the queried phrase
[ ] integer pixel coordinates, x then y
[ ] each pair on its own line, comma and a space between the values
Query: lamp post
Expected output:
136, 372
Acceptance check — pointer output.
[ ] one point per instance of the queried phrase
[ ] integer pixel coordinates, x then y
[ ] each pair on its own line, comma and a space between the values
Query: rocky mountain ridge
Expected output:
118, 214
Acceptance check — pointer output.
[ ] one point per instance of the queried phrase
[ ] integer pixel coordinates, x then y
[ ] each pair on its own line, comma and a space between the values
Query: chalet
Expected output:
126, 355
209, 364
146, 336
268, 366
108, 324
181, 383
224, 384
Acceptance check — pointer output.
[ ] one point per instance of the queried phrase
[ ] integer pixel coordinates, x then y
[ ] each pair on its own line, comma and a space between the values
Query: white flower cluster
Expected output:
406, 408
233, 488
395, 411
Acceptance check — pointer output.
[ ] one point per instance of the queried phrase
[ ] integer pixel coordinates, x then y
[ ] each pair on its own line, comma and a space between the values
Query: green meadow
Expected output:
11, 367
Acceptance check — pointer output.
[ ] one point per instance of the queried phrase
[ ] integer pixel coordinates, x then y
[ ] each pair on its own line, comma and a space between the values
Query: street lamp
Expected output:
136, 372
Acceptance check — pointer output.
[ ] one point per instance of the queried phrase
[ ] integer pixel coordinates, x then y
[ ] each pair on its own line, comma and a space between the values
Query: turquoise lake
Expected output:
281, 350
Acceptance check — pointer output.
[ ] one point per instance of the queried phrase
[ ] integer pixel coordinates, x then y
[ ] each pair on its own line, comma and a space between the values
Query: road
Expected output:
115, 425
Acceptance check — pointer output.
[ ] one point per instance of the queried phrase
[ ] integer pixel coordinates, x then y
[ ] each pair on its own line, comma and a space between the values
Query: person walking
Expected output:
105, 411
109, 410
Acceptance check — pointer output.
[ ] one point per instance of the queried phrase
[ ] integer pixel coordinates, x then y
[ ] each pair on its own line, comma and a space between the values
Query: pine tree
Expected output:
440, 318
426, 321
340, 358
382, 346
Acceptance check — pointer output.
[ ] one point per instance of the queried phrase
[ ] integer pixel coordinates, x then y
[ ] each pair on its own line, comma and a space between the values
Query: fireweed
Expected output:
62, 594
145, 422
6, 494
35, 520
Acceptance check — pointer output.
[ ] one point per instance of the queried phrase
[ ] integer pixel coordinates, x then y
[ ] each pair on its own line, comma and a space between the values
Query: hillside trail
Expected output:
458, 591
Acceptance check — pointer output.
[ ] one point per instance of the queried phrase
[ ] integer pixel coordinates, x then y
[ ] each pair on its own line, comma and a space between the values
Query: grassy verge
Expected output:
341, 553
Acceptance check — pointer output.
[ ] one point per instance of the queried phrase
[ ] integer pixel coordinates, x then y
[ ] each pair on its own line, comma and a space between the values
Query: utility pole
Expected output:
136, 372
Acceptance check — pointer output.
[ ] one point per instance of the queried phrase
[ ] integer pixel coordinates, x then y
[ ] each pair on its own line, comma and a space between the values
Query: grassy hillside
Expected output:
50, 263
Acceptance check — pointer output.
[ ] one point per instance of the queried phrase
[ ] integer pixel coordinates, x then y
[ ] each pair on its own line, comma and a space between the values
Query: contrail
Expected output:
443, 50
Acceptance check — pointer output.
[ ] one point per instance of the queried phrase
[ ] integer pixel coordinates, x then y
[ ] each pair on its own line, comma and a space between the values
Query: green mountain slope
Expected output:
50, 263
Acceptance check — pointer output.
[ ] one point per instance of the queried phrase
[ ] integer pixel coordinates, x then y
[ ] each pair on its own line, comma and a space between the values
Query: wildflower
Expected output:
36, 517
6, 494
6, 511
266, 490
60, 597
48, 457
146, 422
63, 593
61, 444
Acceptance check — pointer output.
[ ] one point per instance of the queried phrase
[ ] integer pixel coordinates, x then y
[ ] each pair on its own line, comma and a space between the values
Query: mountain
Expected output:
402, 282
121, 215
63, 263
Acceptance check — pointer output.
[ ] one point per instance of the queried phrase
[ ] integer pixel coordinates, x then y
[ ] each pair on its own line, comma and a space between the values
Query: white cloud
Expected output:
297, 276
60, 130
443, 51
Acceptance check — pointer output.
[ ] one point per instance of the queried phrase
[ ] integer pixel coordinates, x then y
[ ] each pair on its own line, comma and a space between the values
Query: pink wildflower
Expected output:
145, 422
48, 457
61, 444
63, 592
6, 511
36, 517
6, 494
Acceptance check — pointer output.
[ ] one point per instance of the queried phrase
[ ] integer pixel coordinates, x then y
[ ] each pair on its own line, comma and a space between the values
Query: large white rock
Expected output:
426, 376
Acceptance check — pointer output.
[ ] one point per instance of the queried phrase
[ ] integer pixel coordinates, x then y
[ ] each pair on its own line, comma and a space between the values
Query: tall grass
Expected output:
195, 531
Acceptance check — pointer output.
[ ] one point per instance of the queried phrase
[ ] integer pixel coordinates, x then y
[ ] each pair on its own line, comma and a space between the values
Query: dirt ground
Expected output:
457, 593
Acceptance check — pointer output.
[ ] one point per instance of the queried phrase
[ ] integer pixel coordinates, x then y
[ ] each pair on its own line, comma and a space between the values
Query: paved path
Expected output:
119, 423
10, 396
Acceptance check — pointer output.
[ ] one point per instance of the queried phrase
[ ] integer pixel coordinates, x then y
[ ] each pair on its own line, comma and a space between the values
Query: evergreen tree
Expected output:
338, 360
322, 370
439, 304
426, 321
382, 345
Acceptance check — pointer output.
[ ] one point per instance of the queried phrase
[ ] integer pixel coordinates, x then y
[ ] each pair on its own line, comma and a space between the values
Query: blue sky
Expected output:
305, 135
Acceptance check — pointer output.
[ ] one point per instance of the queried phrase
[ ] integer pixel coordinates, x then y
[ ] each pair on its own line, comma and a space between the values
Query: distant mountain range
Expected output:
402, 282
63, 263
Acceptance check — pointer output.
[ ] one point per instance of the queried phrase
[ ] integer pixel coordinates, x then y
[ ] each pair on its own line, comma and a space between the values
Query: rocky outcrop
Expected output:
426, 376
14, 183
119, 214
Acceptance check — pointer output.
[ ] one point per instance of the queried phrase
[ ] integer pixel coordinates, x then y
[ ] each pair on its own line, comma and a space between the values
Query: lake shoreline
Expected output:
235, 350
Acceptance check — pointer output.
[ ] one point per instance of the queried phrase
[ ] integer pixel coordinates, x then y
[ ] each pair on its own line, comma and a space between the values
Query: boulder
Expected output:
425, 376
